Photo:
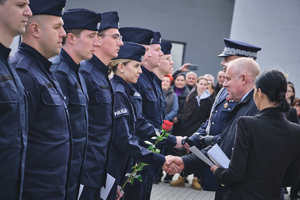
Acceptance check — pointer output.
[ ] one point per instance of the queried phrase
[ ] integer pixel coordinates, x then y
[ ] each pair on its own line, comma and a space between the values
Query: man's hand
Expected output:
120, 193
185, 67
213, 168
173, 165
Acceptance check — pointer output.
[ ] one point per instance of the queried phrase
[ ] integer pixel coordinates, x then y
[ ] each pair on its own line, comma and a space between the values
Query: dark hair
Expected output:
296, 102
274, 84
76, 32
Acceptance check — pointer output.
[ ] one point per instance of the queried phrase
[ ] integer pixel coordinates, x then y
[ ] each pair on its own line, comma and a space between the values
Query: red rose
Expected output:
167, 125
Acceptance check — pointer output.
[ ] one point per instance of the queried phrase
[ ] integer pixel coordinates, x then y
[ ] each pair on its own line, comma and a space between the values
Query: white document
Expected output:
201, 156
104, 192
218, 156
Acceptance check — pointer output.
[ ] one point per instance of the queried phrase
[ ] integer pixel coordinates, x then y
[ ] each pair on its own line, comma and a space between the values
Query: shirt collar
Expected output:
244, 97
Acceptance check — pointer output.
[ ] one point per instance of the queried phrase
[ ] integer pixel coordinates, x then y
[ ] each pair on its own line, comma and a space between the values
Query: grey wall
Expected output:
275, 26
202, 24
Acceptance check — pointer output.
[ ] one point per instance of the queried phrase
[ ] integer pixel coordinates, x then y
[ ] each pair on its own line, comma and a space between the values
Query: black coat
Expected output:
266, 146
194, 115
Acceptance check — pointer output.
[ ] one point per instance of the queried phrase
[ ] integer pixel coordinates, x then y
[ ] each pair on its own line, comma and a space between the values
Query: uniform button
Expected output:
216, 111
213, 123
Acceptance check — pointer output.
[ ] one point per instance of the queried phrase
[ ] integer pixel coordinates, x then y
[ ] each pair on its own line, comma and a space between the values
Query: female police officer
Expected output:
125, 144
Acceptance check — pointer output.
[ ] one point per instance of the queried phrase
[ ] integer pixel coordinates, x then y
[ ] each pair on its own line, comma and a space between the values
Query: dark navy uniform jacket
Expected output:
125, 143
74, 89
221, 114
99, 89
48, 152
13, 129
150, 107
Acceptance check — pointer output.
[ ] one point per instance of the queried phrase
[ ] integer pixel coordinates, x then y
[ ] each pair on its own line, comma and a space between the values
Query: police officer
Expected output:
81, 28
125, 144
224, 108
48, 152
13, 116
95, 73
153, 103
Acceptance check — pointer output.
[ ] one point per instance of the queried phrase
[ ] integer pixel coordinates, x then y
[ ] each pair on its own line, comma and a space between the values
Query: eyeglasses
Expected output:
114, 36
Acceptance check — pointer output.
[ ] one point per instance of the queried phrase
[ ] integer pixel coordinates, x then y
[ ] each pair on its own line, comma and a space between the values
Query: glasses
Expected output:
114, 36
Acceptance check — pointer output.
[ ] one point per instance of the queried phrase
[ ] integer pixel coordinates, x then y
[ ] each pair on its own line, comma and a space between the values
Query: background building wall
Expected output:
273, 25
201, 24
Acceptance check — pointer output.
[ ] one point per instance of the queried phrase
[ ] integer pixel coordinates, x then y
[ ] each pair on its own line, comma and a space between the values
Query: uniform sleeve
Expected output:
238, 164
125, 139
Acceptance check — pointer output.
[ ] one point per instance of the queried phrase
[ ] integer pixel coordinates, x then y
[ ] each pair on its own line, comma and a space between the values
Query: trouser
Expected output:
89, 193
140, 190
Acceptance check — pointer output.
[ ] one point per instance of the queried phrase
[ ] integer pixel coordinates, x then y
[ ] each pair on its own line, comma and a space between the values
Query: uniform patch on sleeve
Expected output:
122, 111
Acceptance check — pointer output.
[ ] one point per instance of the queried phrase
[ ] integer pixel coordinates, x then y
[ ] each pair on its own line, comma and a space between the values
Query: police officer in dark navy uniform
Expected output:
48, 152
223, 109
81, 28
125, 143
152, 101
95, 73
13, 104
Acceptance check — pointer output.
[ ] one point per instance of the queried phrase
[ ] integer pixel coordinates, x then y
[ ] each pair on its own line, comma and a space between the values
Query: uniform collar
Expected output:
247, 97
69, 60
4, 52
97, 62
36, 55
126, 85
148, 73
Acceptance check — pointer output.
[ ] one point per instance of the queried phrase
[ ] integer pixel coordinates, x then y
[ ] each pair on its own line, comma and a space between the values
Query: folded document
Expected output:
215, 156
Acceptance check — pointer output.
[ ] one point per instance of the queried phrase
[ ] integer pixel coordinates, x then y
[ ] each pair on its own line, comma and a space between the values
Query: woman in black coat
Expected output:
266, 153
196, 108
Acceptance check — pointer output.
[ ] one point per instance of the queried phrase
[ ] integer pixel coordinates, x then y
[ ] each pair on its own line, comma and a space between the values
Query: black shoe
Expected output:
168, 178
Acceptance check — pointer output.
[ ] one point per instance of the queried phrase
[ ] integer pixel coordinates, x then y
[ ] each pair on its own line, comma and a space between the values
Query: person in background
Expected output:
290, 93
14, 16
297, 106
291, 114
220, 79
210, 78
196, 108
211, 88
255, 172
191, 79
171, 98
182, 91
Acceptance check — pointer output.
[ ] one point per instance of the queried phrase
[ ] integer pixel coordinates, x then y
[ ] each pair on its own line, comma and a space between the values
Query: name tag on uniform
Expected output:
120, 112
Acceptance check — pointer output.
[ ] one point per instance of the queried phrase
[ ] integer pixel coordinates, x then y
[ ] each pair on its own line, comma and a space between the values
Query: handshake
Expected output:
173, 165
